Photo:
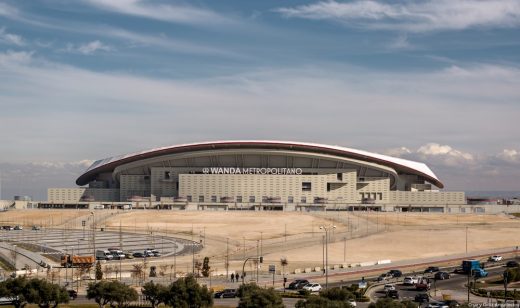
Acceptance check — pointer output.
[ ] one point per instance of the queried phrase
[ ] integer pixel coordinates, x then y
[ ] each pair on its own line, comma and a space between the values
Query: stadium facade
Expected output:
253, 173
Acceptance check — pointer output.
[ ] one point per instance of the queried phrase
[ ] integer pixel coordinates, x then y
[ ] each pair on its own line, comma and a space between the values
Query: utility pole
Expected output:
327, 229
257, 258
227, 258
466, 239
345, 249
120, 247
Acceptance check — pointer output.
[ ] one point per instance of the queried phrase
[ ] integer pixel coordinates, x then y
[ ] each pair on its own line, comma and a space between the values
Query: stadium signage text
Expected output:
237, 170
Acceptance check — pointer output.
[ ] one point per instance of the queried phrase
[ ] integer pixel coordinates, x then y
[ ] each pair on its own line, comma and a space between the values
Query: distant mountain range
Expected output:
493, 194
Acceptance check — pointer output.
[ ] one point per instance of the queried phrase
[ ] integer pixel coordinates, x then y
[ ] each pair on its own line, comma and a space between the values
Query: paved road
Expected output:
455, 286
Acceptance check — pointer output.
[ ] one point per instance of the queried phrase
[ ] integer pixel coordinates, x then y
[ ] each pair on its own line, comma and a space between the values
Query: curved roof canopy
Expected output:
399, 164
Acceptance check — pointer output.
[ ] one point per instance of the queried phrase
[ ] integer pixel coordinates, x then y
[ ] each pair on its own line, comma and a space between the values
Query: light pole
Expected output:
344, 249
466, 239
327, 229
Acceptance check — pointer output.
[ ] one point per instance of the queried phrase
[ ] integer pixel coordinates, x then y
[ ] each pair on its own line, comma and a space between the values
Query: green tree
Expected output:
205, 267
100, 292
390, 303
337, 294
319, 302
186, 292
45, 294
252, 296
154, 293
122, 294
16, 289
99, 271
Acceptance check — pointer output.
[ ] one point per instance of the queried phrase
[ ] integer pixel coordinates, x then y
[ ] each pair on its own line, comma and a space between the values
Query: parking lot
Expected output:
58, 241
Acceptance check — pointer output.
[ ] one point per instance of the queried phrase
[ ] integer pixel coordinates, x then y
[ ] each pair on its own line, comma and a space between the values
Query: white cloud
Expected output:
88, 48
509, 155
398, 152
85, 163
176, 13
413, 16
10, 58
401, 42
7, 10
445, 154
11, 39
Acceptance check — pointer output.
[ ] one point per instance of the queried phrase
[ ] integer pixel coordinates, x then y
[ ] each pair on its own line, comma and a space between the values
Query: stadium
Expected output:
257, 175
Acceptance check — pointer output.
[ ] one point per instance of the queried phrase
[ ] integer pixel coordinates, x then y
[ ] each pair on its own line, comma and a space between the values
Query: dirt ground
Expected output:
297, 236
45, 218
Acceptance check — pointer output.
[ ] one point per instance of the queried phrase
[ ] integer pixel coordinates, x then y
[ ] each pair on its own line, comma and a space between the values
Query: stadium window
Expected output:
252, 199
304, 199
328, 186
290, 199
306, 186
213, 198
201, 198
167, 175
239, 199
188, 198
339, 176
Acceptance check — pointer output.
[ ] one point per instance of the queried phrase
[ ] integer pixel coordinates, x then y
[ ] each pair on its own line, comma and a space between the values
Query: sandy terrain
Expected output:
44, 218
370, 236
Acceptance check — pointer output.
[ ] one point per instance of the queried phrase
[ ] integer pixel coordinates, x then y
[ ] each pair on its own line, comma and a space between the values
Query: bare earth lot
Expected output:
296, 236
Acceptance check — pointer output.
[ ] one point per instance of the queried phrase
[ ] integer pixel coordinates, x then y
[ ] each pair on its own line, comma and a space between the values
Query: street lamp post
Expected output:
466, 239
327, 229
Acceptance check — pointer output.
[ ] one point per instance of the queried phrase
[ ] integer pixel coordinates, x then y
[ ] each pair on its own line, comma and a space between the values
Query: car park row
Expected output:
117, 254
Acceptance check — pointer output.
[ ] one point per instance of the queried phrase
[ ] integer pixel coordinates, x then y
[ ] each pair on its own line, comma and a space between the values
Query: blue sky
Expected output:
434, 81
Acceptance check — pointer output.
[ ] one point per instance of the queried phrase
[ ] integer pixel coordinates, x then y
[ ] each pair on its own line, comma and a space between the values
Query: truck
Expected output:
77, 261
104, 255
473, 268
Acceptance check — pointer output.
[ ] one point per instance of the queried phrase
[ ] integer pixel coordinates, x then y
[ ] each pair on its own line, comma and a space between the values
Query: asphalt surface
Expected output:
455, 286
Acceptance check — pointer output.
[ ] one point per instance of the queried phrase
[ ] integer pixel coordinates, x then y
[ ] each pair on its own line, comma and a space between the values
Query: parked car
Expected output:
392, 294
128, 255
512, 264
432, 269
442, 275
297, 284
437, 305
148, 253
226, 293
138, 255
36, 228
18, 227
495, 258
383, 277
395, 273
388, 287
410, 281
312, 287
72, 294
452, 303
422, 298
